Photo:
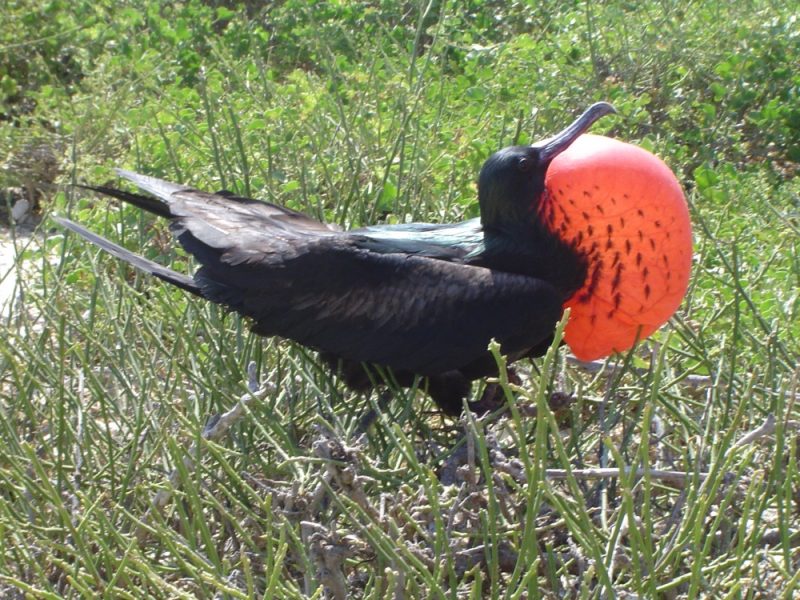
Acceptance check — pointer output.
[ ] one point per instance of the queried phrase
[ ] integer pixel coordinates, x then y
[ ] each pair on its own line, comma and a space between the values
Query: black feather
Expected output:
420, 299
140, 262
400, 297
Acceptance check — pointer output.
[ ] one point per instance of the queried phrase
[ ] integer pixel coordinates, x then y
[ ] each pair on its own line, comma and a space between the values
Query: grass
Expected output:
361, 113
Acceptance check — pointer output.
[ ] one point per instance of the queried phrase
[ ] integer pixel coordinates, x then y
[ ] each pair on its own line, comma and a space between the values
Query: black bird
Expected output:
420, 299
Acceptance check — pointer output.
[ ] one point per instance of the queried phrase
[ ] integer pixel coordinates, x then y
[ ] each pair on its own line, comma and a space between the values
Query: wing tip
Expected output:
143, 264
161, 188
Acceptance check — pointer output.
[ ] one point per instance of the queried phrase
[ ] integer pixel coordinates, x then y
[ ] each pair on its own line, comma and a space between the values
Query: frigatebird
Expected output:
425, 299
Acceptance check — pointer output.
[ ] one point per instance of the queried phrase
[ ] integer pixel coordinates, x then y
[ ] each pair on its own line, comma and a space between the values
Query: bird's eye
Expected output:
524, 164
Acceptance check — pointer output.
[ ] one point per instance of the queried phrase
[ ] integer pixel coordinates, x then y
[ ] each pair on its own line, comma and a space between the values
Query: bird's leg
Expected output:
448, 391
366, 421
493, 396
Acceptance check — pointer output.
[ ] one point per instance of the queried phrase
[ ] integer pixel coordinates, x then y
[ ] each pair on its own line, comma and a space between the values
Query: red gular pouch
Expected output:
623, 209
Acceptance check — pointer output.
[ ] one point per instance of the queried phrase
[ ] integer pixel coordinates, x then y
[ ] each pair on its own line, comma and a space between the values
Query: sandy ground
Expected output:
8, 271
11, 244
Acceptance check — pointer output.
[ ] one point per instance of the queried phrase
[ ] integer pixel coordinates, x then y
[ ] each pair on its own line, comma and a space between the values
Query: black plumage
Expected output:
420, 299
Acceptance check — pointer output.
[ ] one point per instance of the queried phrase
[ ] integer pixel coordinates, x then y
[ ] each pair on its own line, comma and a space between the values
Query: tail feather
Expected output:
143, 264
152, 205
152, 185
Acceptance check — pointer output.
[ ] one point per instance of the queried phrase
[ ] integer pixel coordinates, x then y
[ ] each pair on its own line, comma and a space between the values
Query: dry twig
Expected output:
675, 478
768, 427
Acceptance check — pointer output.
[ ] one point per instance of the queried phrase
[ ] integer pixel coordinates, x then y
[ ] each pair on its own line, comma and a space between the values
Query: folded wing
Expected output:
397, 299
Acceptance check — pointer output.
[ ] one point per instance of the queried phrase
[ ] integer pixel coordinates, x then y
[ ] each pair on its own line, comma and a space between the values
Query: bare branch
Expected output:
675, 478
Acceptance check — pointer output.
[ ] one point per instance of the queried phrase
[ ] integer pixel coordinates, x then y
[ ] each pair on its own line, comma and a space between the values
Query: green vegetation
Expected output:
383, 112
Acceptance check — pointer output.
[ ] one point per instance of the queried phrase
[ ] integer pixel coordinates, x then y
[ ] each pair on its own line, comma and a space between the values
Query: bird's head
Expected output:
614, 205
512, 181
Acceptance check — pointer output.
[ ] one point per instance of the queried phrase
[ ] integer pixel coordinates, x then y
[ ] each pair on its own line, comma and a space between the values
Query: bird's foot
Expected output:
493, 397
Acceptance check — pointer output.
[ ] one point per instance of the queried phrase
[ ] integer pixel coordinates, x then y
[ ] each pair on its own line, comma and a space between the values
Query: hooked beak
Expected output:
552, 147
